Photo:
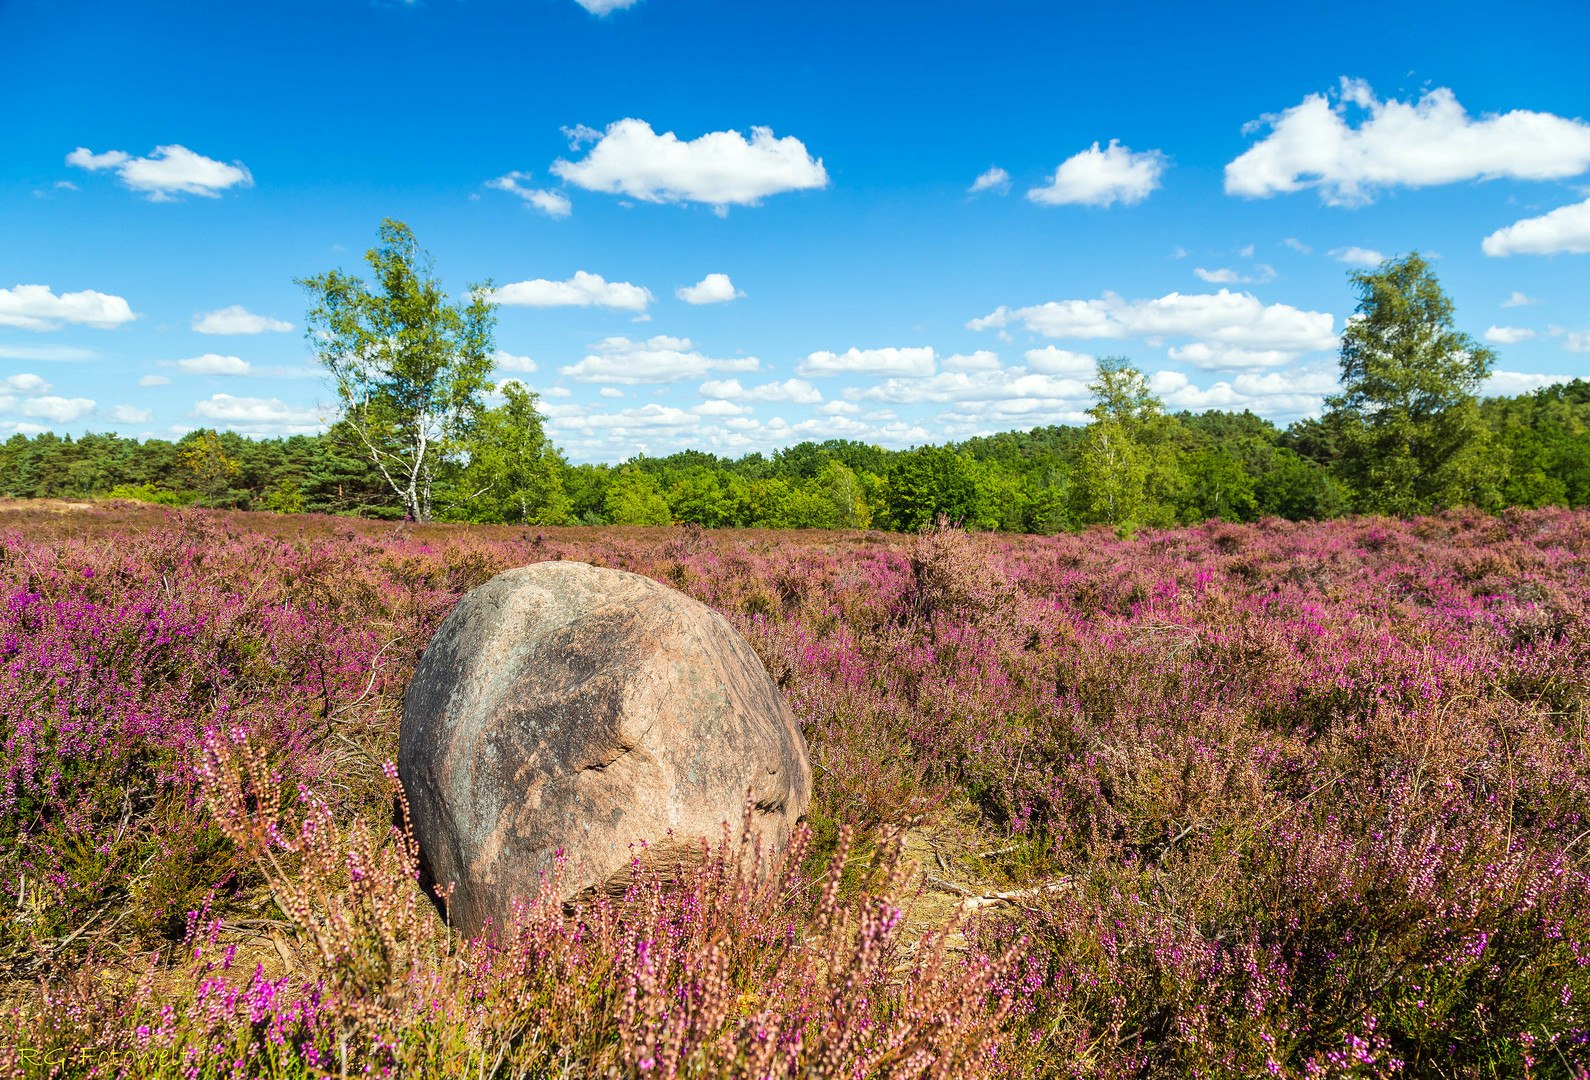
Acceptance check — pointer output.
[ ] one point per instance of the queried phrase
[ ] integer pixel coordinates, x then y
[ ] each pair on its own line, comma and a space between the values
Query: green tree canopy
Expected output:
409, 368
1410, 434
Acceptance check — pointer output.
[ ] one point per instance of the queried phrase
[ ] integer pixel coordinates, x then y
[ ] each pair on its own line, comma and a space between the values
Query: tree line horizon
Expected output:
417, 439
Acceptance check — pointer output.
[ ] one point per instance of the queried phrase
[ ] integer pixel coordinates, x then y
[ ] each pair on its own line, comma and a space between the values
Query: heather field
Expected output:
1232, 800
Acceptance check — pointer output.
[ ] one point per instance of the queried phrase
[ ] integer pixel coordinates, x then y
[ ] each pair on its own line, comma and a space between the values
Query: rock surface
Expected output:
563, 706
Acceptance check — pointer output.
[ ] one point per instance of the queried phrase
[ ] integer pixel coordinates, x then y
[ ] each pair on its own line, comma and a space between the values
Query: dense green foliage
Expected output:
421, 437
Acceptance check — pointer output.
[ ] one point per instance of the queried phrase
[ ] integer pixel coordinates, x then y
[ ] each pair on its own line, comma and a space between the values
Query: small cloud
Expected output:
553, 204
611, 392
507, 361
35, 307
712, 289
155, 380
26, 383
56, 409
1565, 229
1180, 252
210, 364
995, 179
981, 360
167, 172
580, 134
1358, 256
67, 185
1217, 276
603, 8
127, 414
1097, 177
581, 290
1518, 299
1297, 245
1508, 335
1579, 343
1245, 253
237, 320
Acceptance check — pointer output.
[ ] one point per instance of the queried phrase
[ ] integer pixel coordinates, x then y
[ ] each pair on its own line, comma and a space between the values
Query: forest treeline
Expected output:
426, 434
1235, 466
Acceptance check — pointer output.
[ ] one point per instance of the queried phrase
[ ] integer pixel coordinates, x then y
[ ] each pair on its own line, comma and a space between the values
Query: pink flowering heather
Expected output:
1281, 799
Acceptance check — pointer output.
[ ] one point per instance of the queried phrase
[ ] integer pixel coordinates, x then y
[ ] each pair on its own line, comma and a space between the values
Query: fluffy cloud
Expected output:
1412, 144
995, 179
553, 204
1518, 299
581, 290
798, 391
658, 360
1216, 357
1299, 392
1227, 276
155, 380
906, 362
1579, 342
507, 361
1358, 256
57, 409
1023, 390
210, 364
35, 307
601, 8
1565, 229
26, 383
981, 360
258, 416
1234, 329
1508, 335
1100, 177
1513, 383
237, 320
169, 171
127, 414
1053, 361
721, 168
712, 289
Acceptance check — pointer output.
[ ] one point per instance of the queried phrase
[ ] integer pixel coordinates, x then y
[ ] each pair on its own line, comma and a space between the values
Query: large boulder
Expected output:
563, 707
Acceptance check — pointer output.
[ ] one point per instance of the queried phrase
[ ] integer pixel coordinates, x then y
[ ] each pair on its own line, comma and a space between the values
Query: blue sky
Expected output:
1184, 185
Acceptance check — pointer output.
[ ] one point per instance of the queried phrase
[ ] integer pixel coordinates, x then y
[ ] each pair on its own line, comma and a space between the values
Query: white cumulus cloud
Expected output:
1053, 361
981, 360
712, 289
507, 361
128, 414
1097, 177
1508, 335
553, 204
1234, 329
581, 290
27, 383
600, 8
1358, 256
258, 416
167, 172
1397, 143
657, 360
798, 391
1518, 299
1564, 230
210, 364
237, 320
35, 307
994, 179
891, 361
720, 168
1579, 342
60, 410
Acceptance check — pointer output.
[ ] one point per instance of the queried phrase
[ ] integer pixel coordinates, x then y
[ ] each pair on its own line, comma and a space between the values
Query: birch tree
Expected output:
409, 368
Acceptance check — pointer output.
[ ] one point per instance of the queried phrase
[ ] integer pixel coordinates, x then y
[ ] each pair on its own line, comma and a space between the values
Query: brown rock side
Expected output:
561, 706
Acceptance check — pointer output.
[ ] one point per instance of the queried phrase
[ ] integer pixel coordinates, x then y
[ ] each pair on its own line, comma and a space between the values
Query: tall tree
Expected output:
515, 473
1114, 466
1411, 437
409, 367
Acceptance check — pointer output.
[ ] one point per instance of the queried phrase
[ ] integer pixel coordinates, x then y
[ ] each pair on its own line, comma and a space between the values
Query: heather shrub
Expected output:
1306, 799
